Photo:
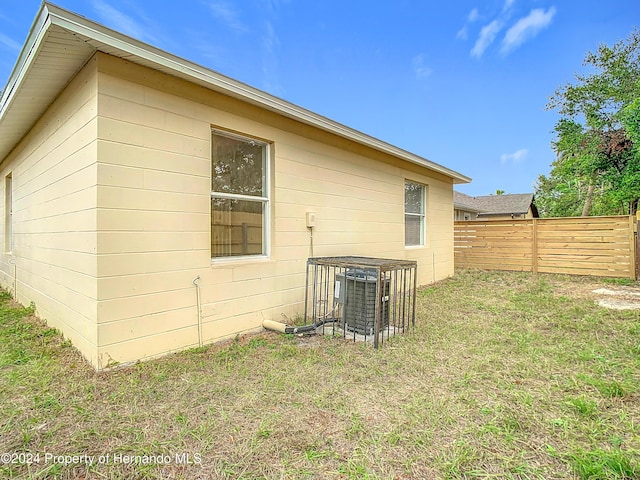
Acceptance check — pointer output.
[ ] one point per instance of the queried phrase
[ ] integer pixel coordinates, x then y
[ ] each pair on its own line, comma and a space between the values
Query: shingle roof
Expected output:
465, 202
507, 204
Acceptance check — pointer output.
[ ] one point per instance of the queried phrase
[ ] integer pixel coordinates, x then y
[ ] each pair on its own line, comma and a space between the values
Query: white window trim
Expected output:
423, 216
266, 200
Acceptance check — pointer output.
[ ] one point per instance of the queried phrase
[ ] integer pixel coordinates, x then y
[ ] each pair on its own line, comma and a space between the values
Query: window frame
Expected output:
422, 215
264, 200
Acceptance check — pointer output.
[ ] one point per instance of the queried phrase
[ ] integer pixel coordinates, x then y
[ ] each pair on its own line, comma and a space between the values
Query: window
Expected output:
414, 216
239, 196
8, 214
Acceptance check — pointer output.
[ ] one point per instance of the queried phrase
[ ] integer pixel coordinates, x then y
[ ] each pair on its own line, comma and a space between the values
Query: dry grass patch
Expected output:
506, 375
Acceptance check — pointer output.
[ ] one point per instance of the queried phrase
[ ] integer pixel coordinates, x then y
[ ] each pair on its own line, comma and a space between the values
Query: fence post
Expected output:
534, 245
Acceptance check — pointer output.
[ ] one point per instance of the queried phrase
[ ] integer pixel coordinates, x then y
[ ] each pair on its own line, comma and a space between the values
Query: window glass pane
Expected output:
413, 230
414, 218
236, 227
238, 166
413, 198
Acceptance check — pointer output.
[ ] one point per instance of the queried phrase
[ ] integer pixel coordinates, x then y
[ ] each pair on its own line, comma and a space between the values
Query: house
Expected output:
494, 207
463, 208
152, 205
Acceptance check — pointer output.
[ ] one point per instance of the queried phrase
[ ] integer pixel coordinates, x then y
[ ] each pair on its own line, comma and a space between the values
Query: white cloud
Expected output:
270, 43
227, 14
121, 22
270, 39
516, 157
486, 38
9, 42
463, 33
526, 28
419, 66
508, 4
473, 15
273, 5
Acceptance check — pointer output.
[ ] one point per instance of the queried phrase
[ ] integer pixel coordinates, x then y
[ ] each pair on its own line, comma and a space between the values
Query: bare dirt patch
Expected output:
618, 297
607, 293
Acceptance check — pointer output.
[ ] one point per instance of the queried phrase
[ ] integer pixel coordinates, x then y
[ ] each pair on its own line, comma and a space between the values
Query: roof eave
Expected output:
468, 208
488, 214
27, 54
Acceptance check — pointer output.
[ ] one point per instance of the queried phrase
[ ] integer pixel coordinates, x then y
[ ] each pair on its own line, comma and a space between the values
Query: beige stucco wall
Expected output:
154, 214
54, 177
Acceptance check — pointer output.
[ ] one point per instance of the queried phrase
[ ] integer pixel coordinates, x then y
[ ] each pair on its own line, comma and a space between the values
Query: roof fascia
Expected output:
27, 55
468, 208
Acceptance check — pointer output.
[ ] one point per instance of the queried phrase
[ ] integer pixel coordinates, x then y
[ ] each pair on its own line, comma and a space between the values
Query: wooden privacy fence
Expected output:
603, 246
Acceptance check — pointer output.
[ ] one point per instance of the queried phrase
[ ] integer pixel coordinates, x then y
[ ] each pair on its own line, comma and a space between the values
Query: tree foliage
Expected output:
238, 169
597, 139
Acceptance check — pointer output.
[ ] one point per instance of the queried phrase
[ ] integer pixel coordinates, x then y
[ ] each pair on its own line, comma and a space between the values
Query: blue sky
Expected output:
462, 83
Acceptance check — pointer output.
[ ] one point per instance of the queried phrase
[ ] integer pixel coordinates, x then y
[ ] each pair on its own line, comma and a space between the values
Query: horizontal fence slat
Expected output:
582, 220
499, 228
583, 253
586, 245
593, 227
586, 262
583, 271
506, 267
600, 237
577, 245
497, 260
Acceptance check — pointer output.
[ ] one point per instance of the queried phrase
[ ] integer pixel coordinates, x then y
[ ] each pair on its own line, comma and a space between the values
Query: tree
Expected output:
597, 169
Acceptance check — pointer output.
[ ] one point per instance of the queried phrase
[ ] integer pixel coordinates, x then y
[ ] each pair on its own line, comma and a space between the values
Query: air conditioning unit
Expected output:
357, 290
363, 298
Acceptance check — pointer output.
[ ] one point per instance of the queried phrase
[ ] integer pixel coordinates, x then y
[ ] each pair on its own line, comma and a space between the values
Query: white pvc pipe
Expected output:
195, 283
273, 325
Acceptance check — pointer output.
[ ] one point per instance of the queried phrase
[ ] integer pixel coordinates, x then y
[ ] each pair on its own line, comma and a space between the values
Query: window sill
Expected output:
226, 261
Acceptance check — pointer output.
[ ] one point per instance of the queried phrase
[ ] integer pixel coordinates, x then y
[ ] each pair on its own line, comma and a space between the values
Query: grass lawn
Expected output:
506, 375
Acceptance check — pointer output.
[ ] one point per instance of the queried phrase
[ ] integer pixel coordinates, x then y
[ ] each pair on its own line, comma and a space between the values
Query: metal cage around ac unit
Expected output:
361, 298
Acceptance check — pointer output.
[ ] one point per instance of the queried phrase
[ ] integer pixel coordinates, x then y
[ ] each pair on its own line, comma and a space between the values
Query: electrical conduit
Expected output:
195, 284
284, 328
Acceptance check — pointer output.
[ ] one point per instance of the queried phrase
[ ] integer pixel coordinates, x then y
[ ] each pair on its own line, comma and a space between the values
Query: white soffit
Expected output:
61, 42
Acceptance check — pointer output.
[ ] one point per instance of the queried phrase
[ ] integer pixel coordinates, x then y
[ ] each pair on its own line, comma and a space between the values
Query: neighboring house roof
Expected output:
506, 204
464, 202
61, 42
